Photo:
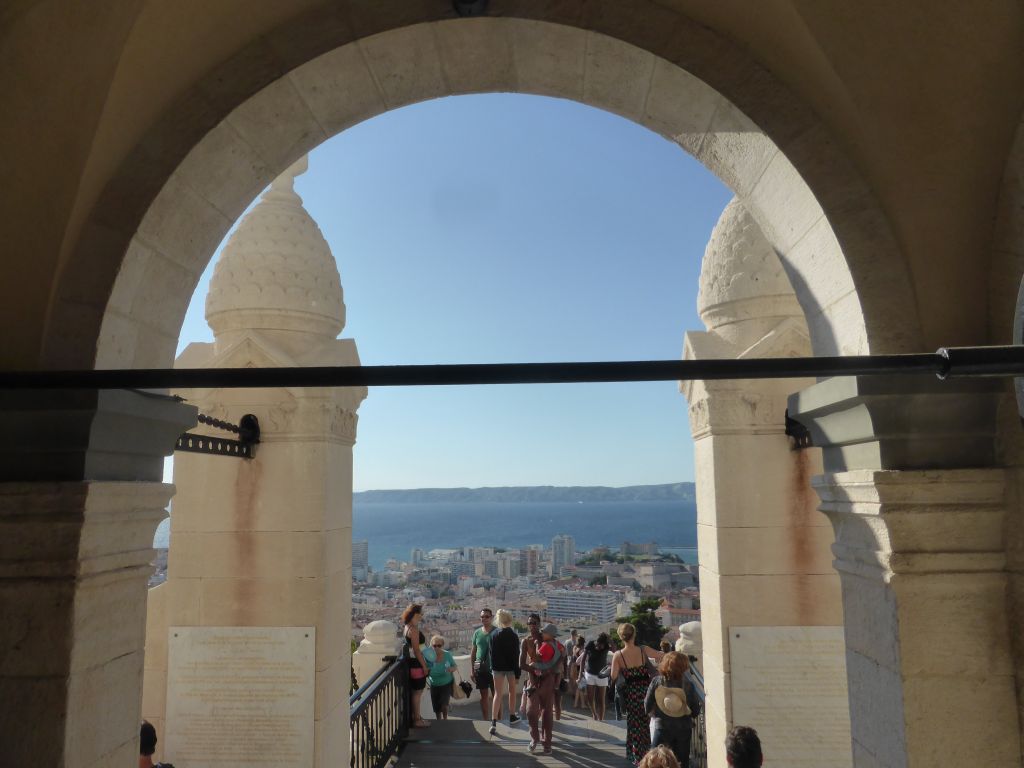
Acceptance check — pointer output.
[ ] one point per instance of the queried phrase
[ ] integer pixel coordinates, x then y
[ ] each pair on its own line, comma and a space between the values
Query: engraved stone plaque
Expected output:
240, 696
789, 683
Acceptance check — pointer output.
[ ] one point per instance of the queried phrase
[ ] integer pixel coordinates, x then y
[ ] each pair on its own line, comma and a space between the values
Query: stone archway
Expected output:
804, 194
121, 300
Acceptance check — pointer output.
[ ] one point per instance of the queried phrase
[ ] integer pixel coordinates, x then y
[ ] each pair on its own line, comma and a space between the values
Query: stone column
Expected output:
80, 500
919, 514
267, 541
764, 550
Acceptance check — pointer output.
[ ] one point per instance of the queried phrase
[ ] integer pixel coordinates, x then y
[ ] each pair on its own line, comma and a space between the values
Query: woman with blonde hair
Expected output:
632, 665
672, 703
441, 678
504, 655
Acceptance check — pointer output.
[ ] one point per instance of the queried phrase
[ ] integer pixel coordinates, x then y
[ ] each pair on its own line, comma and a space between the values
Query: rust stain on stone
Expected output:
801, 507
247, 489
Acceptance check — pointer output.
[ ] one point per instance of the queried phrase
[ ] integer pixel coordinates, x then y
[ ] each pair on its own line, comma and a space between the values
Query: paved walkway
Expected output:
579, 741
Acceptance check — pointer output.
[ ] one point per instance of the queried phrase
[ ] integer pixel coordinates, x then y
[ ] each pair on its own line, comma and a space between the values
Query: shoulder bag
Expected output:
461, 689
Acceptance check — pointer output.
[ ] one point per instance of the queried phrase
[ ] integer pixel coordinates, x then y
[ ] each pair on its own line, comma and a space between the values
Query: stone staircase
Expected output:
579, 741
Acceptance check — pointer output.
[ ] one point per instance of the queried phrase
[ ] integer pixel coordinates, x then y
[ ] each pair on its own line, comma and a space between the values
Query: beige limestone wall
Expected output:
264, 542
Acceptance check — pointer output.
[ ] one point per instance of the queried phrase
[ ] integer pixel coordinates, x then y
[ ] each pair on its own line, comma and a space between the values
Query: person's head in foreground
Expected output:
659, 757
504, 618
147, 739
743, 748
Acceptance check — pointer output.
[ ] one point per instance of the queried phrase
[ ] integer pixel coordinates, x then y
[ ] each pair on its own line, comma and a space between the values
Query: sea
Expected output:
394, 529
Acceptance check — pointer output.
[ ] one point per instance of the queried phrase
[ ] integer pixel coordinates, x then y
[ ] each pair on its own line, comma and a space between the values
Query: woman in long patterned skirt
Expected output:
631, 664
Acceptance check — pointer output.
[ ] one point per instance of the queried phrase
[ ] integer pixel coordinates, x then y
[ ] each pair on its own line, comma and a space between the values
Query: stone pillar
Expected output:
380, 640
80, 500
764, 550
267, 541
919, 513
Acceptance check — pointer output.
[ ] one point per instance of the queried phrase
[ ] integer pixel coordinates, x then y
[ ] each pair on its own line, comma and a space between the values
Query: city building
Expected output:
563, 554
477, 554
600, 605
629, 548
529, 561
360, 560
508, 566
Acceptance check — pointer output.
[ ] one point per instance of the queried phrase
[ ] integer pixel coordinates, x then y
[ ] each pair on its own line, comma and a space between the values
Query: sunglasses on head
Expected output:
439, 645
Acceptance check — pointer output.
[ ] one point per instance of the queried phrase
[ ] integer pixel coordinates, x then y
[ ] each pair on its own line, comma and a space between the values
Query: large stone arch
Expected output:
121, 300
1008, 243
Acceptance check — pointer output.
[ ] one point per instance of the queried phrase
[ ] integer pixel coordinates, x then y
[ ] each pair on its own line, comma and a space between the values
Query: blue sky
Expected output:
510, 228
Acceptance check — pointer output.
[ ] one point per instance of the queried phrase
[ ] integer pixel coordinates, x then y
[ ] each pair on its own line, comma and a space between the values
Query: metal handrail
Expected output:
947, 362
379, 715
389, 662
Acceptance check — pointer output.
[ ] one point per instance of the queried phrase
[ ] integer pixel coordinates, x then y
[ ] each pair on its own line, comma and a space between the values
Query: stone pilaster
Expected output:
75, 559
267, 542
764, 549
919, 514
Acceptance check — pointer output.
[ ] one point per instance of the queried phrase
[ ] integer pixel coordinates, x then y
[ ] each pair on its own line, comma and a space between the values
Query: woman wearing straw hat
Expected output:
672, 703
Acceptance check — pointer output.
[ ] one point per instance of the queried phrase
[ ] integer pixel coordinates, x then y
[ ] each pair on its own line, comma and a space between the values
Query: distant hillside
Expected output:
530, 494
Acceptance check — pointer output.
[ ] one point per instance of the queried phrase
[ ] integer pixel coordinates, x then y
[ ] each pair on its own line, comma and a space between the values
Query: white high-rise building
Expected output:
579, 604
563, 553
360, 560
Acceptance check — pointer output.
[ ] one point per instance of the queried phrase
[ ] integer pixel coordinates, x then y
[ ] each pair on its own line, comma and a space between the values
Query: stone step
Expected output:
578, 740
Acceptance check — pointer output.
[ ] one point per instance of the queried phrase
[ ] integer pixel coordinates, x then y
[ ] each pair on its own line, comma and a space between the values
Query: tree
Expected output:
598, 580
648, 626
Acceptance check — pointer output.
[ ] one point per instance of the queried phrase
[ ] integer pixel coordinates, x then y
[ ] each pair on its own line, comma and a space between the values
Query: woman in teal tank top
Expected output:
441, 678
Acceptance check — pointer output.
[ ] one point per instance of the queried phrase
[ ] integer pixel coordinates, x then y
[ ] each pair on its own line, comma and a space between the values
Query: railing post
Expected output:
380, 640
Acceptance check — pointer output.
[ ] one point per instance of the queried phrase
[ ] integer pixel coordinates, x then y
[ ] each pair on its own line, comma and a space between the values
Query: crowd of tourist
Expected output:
659, 702
650, 687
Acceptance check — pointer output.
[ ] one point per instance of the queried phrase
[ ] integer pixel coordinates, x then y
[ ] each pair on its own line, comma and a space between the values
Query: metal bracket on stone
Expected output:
800, 434
247, 429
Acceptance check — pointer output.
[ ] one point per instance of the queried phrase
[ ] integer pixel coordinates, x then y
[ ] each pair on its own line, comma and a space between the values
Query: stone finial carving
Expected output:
277, 271
380, 640
741, 276
381, 633
690, 639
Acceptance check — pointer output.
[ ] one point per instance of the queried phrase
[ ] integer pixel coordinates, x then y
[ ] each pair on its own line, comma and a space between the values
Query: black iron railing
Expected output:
379, 715
699, 739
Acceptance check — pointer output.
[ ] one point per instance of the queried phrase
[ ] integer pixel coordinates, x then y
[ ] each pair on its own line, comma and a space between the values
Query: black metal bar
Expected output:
190, 442
947, 362
389, 662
